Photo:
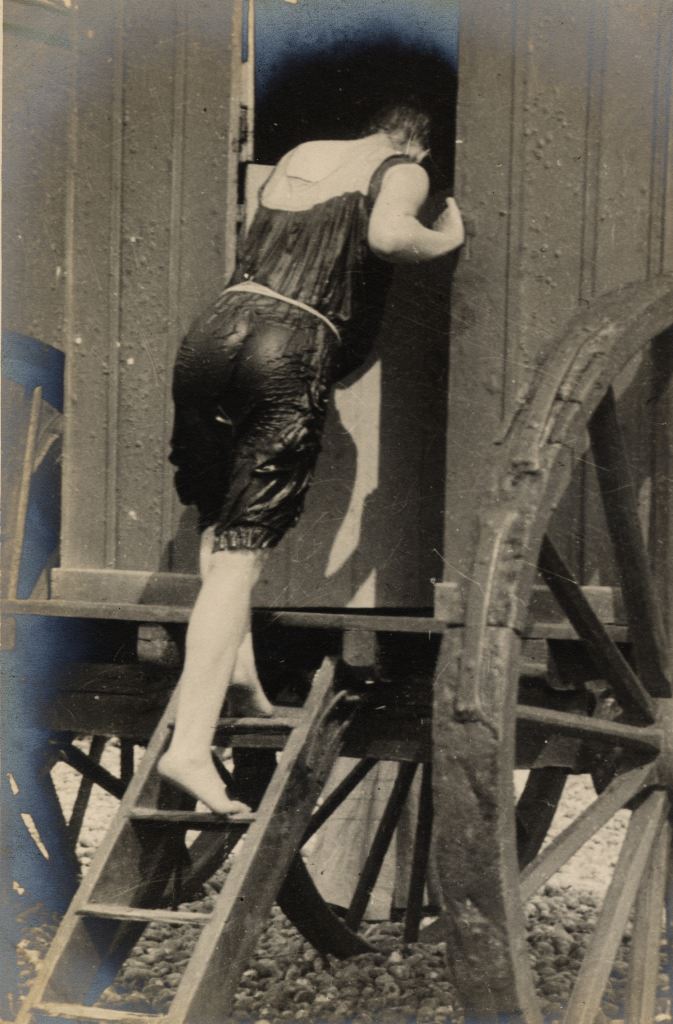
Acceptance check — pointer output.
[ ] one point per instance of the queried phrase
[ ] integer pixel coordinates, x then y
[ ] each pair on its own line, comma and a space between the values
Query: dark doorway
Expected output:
323, 68
371, 532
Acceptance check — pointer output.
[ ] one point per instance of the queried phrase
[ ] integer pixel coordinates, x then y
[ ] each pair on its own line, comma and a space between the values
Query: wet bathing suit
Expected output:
253, 375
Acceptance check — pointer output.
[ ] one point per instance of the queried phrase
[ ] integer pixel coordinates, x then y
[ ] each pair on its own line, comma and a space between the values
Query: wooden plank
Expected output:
97, 610
147, 336
172, 613
244, 903
564, 631
37, 70
595, 84
626, 143
135, 679
606, 601
92, 324
380, 844
535, 809
546, 212
203, 238
490, 79
96, 748
629, 549
421, 858
646, 821
609, 660
18, 527
125, 586
167, 588
91, 770
188, 819
661, 446
337, 796
644, 965
122, 865
70, 1011
593, 730
115, 912
613, 799
667, 100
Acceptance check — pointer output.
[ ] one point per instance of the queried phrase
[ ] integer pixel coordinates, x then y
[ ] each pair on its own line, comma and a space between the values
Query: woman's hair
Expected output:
405, 122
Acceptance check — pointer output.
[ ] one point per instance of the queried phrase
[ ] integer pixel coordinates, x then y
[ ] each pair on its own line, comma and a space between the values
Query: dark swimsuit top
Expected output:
320, 256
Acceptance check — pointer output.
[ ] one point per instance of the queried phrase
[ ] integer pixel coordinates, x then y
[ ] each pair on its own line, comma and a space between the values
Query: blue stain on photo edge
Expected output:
302, 30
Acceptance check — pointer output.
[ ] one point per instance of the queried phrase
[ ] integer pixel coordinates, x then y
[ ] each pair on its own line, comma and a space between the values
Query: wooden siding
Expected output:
564, 119
371, 532
122, 171
154, 176
37, 57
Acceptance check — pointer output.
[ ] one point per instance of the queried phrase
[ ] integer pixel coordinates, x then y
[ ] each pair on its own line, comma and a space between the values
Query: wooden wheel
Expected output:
614, 721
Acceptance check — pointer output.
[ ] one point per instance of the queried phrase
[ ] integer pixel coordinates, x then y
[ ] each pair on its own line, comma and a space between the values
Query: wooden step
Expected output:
117, 912
287, 720
189, 819
72, 1011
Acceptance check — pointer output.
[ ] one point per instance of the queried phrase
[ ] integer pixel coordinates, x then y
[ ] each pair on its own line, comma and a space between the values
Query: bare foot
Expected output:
200, 780
248, 700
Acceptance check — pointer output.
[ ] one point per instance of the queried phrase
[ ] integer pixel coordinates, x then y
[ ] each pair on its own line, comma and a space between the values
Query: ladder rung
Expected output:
120, 913
232, 726
189, 819
72, 1011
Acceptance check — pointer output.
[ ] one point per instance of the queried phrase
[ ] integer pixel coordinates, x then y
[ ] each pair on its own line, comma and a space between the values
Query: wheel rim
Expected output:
476, 744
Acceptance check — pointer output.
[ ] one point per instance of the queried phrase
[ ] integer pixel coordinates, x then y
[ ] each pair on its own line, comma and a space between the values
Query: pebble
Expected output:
286, 980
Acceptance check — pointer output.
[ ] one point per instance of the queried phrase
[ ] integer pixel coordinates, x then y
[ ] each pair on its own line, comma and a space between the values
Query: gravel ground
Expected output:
286, 980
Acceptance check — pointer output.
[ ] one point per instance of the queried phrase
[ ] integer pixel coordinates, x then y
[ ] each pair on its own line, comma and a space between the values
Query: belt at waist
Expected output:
261, 289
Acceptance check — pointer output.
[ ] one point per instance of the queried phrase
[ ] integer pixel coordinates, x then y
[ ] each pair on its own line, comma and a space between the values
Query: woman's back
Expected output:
308, 240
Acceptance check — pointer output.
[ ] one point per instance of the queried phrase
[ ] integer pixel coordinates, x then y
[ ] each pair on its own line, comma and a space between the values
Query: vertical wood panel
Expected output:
92, 323
370, 535
154, 184
661, 509
488, 66
207, 224
151, 37
666, 94
552, 173
626, 143
37, 68
662, 133
580, 191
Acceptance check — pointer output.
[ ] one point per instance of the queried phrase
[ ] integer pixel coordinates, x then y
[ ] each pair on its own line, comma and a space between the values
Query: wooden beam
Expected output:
644, 826
610, 662
563, 846
621, 512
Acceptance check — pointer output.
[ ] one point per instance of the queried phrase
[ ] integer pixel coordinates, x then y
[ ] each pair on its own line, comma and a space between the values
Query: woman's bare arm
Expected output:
395, 232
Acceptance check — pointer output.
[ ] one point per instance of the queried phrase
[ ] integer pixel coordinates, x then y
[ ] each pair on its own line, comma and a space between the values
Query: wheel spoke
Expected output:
644, 965
96, 748
126, 760
646, 821
561, 849
419, 864
621, 511
598, 730
338, 795
90, 769
607, 657
379, 848
536, 808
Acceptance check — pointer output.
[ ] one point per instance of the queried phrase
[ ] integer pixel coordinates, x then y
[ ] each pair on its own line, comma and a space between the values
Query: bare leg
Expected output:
246, 695
216, 629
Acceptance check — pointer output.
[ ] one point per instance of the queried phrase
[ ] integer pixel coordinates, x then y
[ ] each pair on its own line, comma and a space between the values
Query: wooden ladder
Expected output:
128, 877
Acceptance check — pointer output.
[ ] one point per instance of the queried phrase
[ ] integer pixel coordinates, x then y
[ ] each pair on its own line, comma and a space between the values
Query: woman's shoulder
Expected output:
321, 169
